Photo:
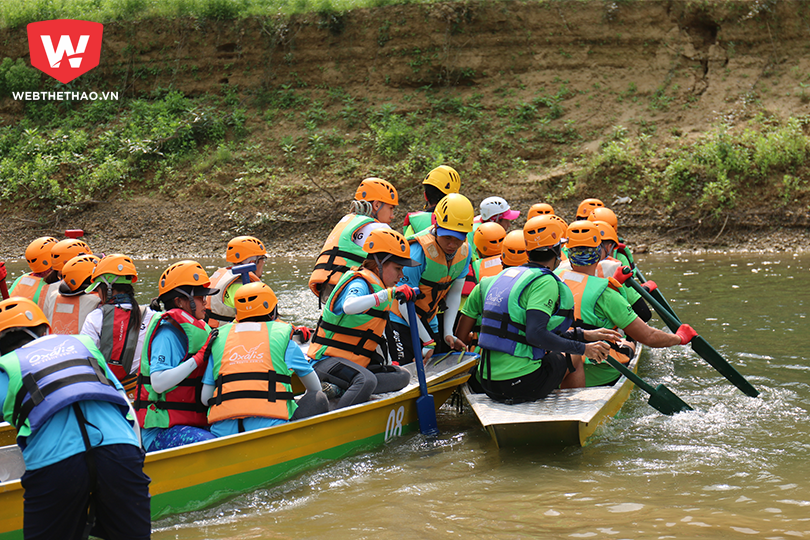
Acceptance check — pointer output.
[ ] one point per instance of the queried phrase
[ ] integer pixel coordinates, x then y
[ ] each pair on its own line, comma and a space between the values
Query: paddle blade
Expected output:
426, 410
666, 402
716, 360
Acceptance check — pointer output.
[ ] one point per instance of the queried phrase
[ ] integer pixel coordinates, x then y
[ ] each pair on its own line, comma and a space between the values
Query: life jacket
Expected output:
469, 281
67, 313
353, 337
503, 322
181, 405
251, 375
339, 253
49, 374
587, 290
216, 311
438, 274
30, 286
118, 341
491, 266
418, 222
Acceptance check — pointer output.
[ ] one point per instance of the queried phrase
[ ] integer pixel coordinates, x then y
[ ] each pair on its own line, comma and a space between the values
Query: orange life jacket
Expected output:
69, 312
32, 287
252, 378
339, 253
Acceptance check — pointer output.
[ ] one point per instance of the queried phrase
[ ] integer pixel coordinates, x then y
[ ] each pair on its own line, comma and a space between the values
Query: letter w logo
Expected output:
86, 36
65, 47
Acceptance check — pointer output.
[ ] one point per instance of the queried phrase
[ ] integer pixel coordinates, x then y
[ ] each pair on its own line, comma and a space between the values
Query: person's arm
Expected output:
167, 379
652, 337
207, 394
92, 326
453, 302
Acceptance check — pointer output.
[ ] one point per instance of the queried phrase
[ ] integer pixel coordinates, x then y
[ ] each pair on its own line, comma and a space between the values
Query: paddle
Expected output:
425, 407
3, 286
655, 293
244, 270
661, 399
699, 345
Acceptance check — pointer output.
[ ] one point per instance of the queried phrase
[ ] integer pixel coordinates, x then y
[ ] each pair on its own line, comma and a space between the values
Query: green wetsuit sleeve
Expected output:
474, 306
613, 307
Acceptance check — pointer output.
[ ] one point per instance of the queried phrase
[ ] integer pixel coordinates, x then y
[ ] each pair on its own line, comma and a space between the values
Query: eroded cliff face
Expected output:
703, 58
664, 70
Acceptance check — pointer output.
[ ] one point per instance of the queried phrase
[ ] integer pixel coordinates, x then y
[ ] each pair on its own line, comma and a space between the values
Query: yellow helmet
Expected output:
243, 247
376, 189
543, 232
455, 212
18, 312
514, 249
444, 178
38, 254
488, 239
583, 234
254, 300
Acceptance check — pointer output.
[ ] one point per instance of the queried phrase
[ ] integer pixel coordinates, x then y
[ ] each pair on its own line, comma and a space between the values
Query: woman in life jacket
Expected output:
372, 208
247, 383
172, 363
349, 349
219, 308
118, 325
70, 306
34, 284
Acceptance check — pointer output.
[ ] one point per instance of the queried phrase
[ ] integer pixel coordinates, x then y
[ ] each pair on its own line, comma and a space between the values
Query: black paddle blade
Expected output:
666, 402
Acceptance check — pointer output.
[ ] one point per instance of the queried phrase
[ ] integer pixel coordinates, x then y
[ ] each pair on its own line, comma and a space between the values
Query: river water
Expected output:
736, 467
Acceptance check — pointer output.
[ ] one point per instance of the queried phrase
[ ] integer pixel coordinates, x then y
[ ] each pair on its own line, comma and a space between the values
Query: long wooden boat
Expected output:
567, 417
199, 475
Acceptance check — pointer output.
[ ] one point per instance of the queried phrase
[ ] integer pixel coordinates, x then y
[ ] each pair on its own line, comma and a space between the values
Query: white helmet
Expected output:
497, 206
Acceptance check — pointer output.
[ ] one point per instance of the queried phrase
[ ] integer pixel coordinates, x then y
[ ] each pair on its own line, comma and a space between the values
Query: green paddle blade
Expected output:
666, 402
714, 359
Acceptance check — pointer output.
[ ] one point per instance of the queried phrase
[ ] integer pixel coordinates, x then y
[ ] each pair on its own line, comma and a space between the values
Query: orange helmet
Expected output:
78, 270
488, 239
543, 232
254, 300
66, 249
444, 178
583, 234
376, 189
391, 243
18, 312
185, 273
244, 247
606, 232
586, 206
514, 249
38, 254
539, 209
115, 268
604, 214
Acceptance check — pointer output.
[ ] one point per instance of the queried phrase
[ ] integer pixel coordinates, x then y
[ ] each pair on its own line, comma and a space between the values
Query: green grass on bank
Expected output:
262, 148
18, 13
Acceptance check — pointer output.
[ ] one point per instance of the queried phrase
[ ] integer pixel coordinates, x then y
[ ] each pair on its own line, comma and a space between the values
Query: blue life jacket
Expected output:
503, 323
51, 373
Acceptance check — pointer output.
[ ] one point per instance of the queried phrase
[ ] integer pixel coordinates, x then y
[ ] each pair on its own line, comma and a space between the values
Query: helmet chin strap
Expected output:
192, 303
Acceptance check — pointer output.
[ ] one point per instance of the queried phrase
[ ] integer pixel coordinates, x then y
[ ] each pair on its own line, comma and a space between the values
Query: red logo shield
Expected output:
65, 48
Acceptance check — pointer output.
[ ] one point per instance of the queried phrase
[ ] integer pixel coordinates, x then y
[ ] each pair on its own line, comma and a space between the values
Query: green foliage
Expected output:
17, 77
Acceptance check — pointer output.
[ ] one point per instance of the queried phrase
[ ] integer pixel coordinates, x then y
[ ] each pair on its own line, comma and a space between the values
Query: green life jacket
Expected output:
418, 222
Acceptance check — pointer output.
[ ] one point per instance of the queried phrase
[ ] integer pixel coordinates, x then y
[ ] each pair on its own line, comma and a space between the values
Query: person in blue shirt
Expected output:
238, 387
82, 453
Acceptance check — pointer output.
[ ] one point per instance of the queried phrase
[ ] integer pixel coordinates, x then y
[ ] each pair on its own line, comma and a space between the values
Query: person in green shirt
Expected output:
524, 313
598, 304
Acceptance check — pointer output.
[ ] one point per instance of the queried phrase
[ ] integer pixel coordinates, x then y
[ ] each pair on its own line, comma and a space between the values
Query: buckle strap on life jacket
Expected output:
359, 348
221, 318
271, 394
38, 394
